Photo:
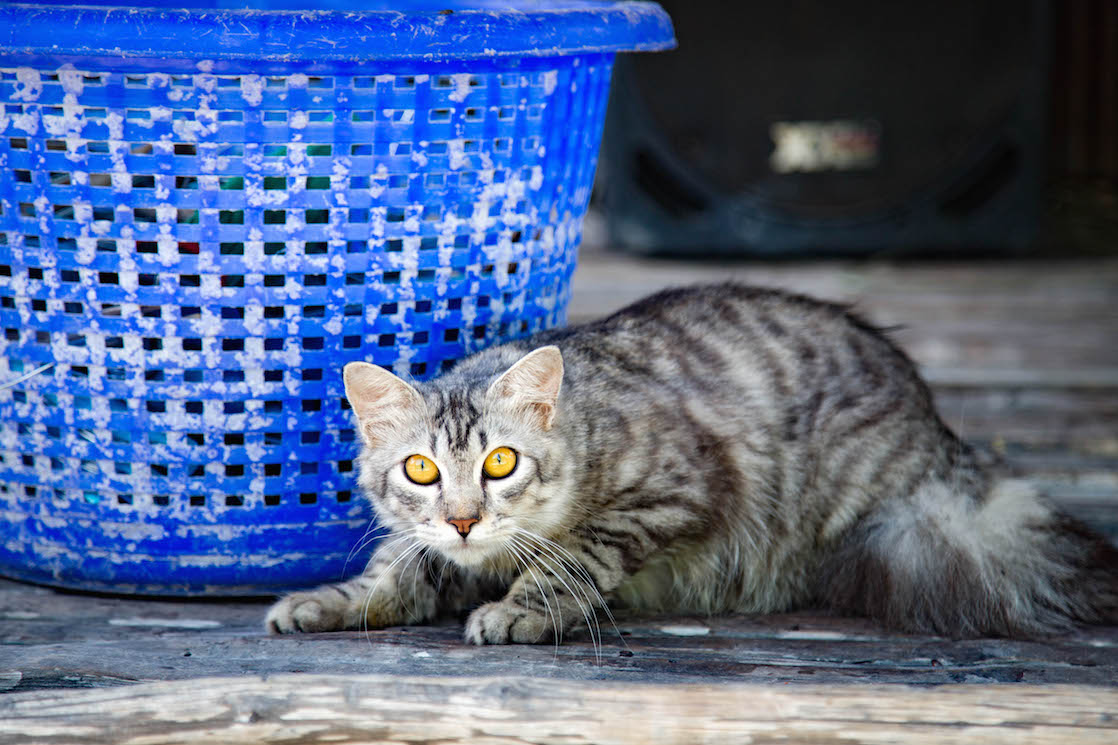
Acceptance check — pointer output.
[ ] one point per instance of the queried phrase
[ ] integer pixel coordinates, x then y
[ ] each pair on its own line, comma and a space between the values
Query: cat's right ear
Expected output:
531, 386
382, 402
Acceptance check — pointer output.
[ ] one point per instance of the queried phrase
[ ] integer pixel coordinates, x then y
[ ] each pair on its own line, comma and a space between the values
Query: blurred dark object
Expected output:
1082, 200
814, 128
1084, 142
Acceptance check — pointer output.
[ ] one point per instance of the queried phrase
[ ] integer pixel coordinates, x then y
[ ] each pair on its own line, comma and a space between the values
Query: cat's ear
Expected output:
532, 385
381, 401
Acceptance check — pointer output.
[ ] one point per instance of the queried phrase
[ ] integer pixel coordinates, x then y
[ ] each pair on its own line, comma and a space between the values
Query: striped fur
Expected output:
713, 449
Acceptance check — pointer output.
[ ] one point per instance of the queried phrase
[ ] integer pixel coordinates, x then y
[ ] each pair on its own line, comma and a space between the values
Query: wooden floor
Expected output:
1023, 358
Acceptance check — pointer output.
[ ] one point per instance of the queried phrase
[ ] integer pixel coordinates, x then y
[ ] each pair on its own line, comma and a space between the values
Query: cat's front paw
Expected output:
505, 623
305, 611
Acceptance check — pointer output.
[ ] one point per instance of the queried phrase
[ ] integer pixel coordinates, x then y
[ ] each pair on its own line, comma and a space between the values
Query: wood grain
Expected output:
378, 708
52, 640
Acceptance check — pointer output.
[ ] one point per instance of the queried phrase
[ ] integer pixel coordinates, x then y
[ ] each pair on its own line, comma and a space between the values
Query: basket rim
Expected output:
461, 31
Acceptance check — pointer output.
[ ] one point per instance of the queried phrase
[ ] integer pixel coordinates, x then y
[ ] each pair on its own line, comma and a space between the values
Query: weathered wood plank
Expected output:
71, 641
1084, 422
1102, 379
1034, 316
378, 708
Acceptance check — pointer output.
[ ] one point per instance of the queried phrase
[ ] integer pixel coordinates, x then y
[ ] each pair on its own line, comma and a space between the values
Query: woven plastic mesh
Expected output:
188, 258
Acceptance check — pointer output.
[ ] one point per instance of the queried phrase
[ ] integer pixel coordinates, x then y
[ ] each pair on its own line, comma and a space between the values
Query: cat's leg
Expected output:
541, 605
561, 588
395, 589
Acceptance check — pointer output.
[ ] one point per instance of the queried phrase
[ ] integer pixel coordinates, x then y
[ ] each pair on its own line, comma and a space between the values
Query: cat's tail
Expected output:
944, 563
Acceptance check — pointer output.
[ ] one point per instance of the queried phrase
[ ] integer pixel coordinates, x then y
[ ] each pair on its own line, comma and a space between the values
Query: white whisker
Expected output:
580, 598
369, 537
394, 542
529, 565
569, 560
443, 564
406, 553
412, 612
572, 564
584, 588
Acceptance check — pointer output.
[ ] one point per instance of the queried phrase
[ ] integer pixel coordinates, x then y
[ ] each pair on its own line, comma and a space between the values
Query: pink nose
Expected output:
463, 526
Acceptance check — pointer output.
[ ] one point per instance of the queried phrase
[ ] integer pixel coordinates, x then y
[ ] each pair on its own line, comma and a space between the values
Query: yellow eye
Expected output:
421, 470
500, 463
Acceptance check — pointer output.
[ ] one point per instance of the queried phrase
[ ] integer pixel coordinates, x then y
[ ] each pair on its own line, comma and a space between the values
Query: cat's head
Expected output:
463, 463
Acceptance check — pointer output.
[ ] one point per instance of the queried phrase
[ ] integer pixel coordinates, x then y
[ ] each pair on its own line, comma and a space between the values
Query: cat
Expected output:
716, 449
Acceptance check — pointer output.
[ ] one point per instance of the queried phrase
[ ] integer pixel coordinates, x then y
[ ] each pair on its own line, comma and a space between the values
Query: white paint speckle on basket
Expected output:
28, 122
461, 86
252, 89
457, 152
550, 80
29, 85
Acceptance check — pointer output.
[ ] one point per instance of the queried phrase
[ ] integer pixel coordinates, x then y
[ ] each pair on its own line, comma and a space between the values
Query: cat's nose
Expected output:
463, 525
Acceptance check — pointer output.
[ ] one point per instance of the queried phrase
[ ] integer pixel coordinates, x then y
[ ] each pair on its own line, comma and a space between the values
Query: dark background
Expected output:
1082, 185
998, 120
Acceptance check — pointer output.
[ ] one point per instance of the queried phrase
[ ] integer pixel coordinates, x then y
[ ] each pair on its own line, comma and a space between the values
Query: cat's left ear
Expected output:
383, 403
532, 385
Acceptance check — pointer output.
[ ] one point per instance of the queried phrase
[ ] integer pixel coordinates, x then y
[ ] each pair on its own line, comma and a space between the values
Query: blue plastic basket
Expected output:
204, 213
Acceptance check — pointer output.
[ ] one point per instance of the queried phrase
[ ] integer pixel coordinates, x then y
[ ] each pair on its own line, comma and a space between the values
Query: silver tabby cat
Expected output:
714, 449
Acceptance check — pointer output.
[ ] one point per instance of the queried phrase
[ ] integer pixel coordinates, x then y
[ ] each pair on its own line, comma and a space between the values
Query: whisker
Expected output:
569, 559
406, 553
573, 563
507, 551
358, 543
391, 544
369, 536
443, 565
580, 596
413, 612
583, 603
391, 539
532, 569
528, 566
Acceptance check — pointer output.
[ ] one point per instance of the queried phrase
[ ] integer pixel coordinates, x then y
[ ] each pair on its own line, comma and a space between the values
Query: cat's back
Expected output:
726, 316
728, 338
737, 359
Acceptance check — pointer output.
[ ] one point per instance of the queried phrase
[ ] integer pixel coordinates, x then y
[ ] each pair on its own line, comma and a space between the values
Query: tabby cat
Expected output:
706, 450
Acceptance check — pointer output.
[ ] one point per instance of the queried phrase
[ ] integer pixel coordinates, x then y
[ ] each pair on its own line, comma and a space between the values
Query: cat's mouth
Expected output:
475, 550
469, 552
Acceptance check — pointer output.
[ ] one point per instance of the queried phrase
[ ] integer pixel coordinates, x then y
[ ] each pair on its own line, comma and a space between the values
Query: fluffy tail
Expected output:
941, 562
